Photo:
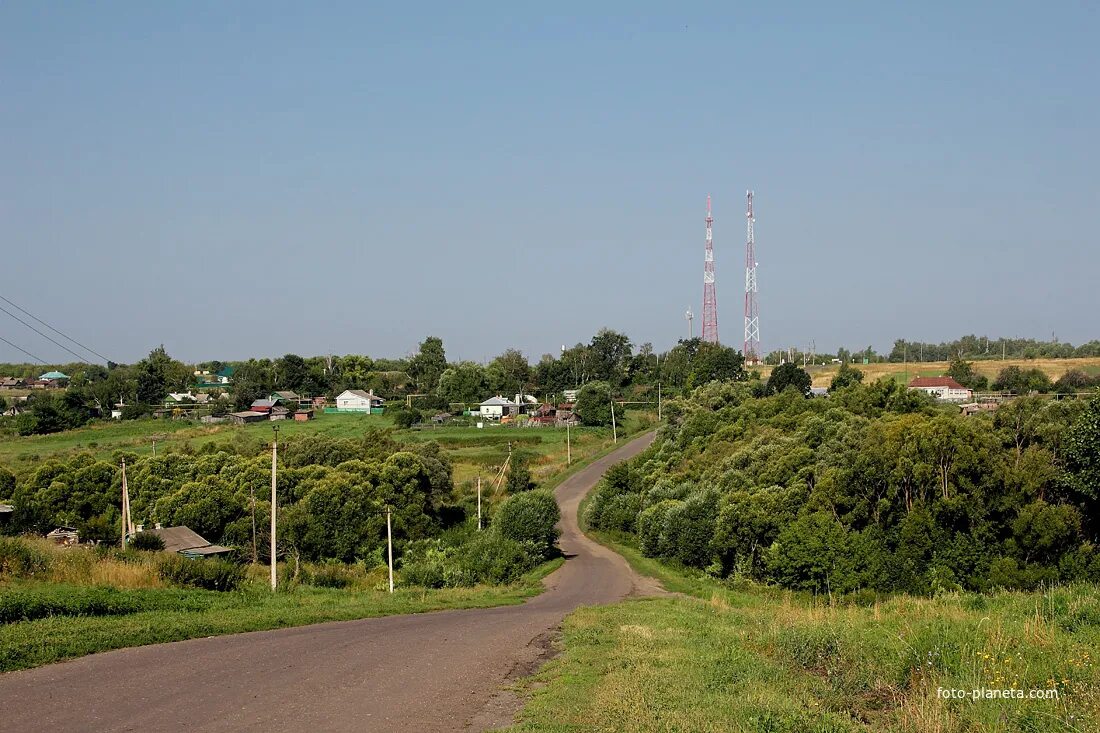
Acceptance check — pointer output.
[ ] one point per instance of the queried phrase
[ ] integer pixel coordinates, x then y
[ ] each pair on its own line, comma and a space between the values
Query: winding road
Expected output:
439, 671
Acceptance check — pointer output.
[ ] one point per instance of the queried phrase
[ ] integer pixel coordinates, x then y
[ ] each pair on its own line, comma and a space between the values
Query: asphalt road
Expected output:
440, 671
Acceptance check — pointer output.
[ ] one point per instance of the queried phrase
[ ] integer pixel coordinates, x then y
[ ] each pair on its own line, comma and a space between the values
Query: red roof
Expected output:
936, 382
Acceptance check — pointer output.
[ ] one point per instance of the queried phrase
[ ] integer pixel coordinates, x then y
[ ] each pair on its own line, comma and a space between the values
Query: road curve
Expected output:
439, 671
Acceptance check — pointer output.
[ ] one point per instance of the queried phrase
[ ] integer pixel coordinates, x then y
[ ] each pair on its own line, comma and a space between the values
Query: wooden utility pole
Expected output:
274, 505
479, 502
389, 544
614, 431
127, 522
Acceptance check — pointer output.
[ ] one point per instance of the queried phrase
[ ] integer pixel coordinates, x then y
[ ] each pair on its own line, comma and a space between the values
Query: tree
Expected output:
428, 365
1022, 381
463, 382
716, 362
789, 375
610, 353
846, 377
7, 483
509, 373
530, 517
1082, 452
290, 372
252, 380
593, 405
519, 475
963, 373
158, 374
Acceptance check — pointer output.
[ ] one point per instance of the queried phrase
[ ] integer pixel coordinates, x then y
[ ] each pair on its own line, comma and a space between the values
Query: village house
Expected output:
263, 405
497, 407
187, 542
942, 388
12, 383
356, 400
240, 418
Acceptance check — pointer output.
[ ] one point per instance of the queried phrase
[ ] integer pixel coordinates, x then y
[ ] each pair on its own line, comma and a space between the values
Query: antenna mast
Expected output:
691, 331
752, 308
710, 302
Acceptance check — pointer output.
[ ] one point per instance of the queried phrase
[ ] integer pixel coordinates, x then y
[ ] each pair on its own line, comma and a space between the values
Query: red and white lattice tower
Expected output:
710, 302
752, 308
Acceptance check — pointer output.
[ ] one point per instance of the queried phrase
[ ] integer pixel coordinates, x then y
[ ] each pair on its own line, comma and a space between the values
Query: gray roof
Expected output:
286, 394
362, 393
185, 539
263, 403
498, 401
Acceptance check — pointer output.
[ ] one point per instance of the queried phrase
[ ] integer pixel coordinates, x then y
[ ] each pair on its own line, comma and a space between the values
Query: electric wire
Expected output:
55, 330
52, 341
18, 348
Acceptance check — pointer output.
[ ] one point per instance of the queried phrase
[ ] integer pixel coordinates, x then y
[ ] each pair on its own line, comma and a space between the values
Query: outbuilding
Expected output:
357, 400
942, 388
497, 407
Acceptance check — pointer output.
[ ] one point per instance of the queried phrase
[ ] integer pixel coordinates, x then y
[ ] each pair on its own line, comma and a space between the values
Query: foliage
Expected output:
20, 559
1022, 381
789, 375
530, 517
963, 373
846, 376
205, 573
405, 418
519, 475
593, 406
871, 488
146, 541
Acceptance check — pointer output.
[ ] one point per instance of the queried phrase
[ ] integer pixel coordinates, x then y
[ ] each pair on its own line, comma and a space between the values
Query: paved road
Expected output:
440, 671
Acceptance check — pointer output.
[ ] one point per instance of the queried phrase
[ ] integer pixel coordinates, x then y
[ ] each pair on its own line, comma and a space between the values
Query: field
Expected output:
721, 658
1054, 368
473, 451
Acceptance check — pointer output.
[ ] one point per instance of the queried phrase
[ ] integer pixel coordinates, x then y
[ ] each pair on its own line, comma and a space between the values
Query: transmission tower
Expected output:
752, 308
710, 302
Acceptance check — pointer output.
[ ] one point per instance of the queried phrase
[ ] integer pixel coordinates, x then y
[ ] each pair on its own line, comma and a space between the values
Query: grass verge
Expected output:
725, 657
187, 614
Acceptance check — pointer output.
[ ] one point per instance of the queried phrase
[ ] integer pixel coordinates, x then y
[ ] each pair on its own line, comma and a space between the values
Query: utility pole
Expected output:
568, 444
614, 431
658, 387
479, 502
274, 505
127, 522
389, 544
255, 552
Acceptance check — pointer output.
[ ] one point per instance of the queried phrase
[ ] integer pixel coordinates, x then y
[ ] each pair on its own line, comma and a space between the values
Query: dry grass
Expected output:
1054, 368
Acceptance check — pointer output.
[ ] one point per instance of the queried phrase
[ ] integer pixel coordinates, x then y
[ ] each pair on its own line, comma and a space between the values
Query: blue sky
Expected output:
255, 179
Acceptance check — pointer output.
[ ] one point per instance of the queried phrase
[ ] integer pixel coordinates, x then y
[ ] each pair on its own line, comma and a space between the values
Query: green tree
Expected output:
7, 483
610, 353
519, 475
290, 372
593, 406
963, 373
428, 365
714, 362
789, 375
846, 377
158, 374
509, 373
530, 517
463, 382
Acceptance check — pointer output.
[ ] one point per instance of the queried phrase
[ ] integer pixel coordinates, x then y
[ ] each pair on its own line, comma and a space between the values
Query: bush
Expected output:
332, 574
207, 573
146, 541
491, 558
20, 559
530, 517
651, 524
406, 418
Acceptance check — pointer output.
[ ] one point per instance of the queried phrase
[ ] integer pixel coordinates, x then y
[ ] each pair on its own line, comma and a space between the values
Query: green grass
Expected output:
726, 658
190, 614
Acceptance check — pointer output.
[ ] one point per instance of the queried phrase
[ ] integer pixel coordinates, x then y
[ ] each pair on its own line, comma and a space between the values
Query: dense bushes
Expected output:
873, 488
207, 573
530, 518
19, 559
487, 558
147, 541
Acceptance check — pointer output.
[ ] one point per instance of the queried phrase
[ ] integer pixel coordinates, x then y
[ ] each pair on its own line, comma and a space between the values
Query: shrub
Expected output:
620, 513
651, 523
332, 574
28, 604
491, 558
146, 541
530, 517
406, 418
207, 573
20, 559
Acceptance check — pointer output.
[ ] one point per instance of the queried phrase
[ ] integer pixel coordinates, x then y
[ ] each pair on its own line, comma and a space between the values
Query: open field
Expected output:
902, 373
473, 451
758, 659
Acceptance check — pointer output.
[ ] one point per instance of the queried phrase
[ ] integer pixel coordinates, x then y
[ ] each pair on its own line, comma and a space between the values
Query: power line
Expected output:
70, 338
17, 348
78, 356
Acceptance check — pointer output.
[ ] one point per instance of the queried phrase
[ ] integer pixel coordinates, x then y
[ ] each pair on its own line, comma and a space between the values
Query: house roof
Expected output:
187, 540
286, 394
935, 382
263, 403
361, 393
54, 375
498, 401
248, 413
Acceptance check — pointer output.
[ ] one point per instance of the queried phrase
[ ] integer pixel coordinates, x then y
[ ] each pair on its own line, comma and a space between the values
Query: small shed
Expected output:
303, 415
240, 418
64, 536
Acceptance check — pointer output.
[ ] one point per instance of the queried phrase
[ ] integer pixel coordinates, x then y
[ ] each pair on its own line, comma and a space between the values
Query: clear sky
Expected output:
239, 179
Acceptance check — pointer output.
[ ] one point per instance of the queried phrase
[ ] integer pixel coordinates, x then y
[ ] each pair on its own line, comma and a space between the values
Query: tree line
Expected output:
875, 487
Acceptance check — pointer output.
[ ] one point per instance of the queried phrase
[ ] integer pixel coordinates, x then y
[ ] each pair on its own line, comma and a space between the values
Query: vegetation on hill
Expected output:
874, 487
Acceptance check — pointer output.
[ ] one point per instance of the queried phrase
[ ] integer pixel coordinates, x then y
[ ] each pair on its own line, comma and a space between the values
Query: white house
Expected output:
497, 407
942, 388
356, 400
